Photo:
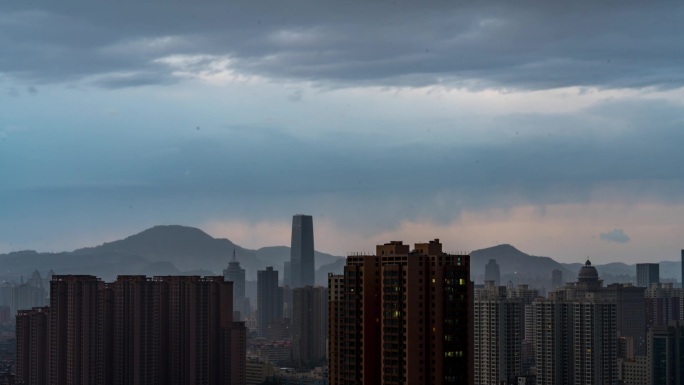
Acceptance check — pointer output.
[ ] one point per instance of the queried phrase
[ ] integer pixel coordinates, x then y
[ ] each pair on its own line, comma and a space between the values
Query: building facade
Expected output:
492, 272
269, 299
309, 326
139, 330
404, 317
498, 336
647, 274
234, 273
302, 270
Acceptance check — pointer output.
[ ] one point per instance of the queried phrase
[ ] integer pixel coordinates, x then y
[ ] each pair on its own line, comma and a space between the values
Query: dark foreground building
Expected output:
137, 330
402, 316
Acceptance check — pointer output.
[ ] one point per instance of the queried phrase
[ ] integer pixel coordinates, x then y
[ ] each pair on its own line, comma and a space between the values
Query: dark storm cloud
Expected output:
529, 45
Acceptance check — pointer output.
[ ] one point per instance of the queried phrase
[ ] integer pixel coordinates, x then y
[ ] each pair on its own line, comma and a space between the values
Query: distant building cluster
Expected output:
403, 315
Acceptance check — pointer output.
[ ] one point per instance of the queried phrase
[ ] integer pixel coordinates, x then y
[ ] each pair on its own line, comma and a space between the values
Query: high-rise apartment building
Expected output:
402, 316
164, 330
302, 271
630, 313
664, 303
576, 333
647, 274
234, 273
498, 336
492, 272
309, 326
666, 354
269, 299
77, 330
575, 342
32, 346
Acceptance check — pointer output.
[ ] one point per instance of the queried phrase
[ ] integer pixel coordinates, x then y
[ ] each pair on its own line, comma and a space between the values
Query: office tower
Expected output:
492, 272
663, 304
173, 330
647, 274
402, 317
269, 299
32, 346
556, 279
310, 326
302, 271
234, 273
666, 354
498, 336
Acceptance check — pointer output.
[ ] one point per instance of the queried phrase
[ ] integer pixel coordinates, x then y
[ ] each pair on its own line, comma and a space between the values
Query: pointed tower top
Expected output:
233, 255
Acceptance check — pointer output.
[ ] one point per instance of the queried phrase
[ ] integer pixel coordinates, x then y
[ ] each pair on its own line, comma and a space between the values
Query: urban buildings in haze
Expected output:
492, 272
309, 326
402, 316
137, 330
647, 274
556, 279
302, 272
269, 300
234, 273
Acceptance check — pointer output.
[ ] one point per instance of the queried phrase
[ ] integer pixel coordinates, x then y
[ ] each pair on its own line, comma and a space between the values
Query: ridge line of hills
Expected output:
174, 249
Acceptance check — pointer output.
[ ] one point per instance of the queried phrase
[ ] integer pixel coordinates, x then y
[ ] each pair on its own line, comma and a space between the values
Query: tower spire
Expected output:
233, 254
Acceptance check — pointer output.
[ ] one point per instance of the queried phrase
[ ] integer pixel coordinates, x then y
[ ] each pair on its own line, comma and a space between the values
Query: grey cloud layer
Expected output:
529, 45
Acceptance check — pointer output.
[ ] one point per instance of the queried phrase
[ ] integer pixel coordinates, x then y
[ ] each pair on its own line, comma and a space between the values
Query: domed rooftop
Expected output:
587, 273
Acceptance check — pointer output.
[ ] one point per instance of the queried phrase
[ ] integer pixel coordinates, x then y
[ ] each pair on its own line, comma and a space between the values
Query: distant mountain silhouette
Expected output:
163, 250
160, 250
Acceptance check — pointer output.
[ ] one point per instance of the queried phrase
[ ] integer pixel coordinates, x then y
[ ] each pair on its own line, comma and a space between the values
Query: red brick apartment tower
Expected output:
402, 317
76, 332
32, 346
136, 330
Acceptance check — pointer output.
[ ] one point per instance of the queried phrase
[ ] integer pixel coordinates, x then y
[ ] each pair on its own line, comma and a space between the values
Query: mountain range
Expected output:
169, 250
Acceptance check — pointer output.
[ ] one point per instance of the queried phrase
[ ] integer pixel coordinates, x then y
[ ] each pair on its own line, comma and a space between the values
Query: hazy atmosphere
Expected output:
555, 128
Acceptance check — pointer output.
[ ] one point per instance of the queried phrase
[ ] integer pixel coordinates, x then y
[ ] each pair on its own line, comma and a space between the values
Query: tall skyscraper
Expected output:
302, 271
575, 333
310, 326
269, 299
172, 330
77, 332
234, 273
498, 336
492, 272
647, 274
403, 317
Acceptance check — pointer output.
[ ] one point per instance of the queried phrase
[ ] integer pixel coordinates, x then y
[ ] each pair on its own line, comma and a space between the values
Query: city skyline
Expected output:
539, 125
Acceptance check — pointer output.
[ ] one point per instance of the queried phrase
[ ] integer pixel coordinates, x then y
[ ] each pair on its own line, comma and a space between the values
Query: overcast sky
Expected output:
556, 128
